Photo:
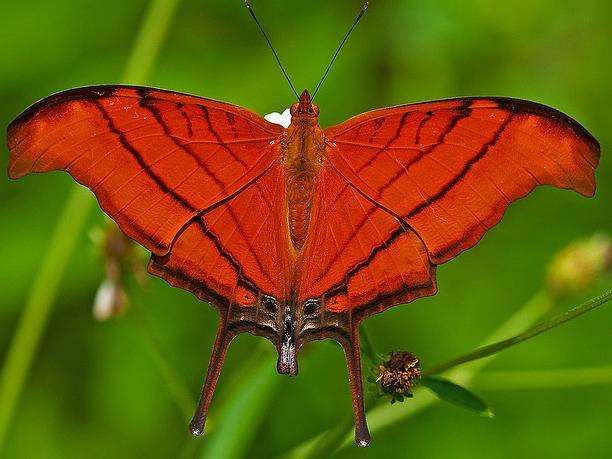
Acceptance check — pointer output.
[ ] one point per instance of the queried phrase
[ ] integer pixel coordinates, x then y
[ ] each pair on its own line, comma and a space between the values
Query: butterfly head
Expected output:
304, 108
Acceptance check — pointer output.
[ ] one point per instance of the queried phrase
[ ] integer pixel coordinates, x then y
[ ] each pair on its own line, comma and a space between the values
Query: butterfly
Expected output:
300, 233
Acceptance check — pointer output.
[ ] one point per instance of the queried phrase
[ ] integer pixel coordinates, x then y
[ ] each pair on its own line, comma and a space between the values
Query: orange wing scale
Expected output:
202, 184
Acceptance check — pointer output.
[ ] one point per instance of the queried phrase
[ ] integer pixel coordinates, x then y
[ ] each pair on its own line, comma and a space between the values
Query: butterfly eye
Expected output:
311, 306
269, 303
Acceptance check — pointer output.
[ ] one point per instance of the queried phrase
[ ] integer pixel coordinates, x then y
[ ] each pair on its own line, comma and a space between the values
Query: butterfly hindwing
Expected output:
235, 253
359, 254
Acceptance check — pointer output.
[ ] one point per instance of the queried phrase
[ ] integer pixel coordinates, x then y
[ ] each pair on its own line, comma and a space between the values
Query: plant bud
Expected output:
579, 265
110, 300
121, 258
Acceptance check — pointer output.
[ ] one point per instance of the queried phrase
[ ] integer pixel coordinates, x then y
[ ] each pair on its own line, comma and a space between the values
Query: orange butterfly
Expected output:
299, 234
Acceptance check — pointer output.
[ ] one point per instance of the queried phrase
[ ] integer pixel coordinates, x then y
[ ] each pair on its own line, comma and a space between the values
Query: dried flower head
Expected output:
398, 375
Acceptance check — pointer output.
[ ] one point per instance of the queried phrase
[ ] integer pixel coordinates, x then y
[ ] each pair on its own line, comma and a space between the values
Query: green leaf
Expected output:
456, 394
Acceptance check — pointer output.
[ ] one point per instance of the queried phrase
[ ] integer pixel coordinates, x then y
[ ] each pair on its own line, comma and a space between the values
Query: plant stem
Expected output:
382, 416
559, 378
69, 227
534, 331
38, 306
148, 42
177, 389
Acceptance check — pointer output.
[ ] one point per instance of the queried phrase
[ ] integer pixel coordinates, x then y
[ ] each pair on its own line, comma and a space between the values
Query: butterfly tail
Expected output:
222, 341
353, 359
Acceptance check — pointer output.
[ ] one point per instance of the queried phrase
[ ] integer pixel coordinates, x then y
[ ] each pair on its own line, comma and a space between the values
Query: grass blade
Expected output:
38, 306
559, 378
494, 348
238, 419
68, 228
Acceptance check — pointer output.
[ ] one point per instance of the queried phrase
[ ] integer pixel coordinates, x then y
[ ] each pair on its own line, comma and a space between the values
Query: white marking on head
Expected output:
284, 119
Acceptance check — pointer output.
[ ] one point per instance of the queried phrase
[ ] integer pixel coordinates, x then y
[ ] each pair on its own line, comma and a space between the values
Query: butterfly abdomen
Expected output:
299, 197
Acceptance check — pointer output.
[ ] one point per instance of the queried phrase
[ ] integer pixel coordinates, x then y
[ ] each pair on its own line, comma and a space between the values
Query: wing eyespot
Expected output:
269, 303
311, 306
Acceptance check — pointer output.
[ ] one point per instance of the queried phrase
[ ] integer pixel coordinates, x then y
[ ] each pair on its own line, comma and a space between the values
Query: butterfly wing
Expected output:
194, 180
236, 253
407, 188
360, 254
449, 169
153, 158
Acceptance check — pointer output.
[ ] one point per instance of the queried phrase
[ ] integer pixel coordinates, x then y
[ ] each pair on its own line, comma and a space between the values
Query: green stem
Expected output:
69, 227
384, 415
494, 348
148, 43
544, 379
38, 306
178, 391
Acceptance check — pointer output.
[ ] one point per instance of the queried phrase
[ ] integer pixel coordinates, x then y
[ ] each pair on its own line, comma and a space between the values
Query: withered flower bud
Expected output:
110, 300
120, 258
398, 375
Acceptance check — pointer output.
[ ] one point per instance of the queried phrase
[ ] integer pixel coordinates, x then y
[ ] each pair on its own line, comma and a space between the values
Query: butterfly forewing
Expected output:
449, 169
154, 158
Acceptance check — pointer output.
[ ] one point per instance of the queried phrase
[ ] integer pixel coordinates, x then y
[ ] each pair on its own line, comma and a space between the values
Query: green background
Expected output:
94, 389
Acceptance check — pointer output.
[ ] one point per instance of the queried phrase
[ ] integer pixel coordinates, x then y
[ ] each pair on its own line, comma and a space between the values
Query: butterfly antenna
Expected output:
355, 22
263, 32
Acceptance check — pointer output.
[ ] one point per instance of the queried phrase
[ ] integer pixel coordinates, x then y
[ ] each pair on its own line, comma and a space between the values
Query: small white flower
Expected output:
284, 119
110, 300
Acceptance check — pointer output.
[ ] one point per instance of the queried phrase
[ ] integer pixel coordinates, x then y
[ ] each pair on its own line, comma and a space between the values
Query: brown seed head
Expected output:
399, 374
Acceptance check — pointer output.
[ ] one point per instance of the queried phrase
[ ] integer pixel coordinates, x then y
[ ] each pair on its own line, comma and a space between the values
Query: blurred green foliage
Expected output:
95, 390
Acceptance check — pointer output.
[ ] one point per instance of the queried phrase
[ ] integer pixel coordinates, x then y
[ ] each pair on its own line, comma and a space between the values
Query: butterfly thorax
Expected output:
302, 155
